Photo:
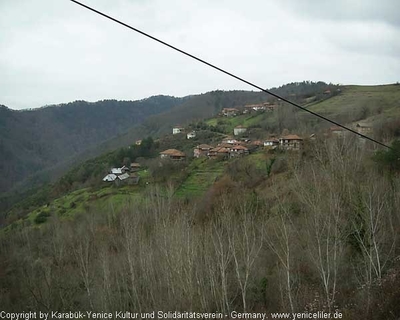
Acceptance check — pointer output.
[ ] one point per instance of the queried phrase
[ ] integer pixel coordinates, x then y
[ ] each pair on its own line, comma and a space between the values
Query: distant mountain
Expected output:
34, 140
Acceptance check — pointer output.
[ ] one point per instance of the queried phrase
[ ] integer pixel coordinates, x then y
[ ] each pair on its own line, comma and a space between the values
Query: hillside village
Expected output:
241, 145
187, 215
238, 144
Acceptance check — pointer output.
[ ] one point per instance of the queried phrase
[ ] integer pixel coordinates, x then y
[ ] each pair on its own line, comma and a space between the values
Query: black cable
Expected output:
230, 74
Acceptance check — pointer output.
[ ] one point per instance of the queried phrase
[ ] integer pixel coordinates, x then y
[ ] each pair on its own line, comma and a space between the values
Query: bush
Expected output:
389, 159
42, 217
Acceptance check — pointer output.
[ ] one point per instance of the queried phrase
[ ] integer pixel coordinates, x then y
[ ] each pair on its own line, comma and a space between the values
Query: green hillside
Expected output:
371, 104
274, 230
202, 175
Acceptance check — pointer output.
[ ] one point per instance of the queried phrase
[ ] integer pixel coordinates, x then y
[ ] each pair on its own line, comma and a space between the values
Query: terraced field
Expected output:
200, 179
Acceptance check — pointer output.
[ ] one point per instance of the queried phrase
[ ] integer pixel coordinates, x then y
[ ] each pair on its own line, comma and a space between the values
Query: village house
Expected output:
138, 142
177, 129
230, 112
121, 179
236, 151
125, 169
218, 152
265, 106
239, 130
337, 131
229, 140
110, 177
290, 142
135, 166
227, 145
191, 135
271, 143
363, 129
201, 150
120, 176
172, 154
116, 171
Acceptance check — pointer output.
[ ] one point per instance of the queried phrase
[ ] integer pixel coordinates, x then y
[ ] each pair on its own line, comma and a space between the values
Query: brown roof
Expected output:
240, 126
272, 140
220, 150
291, 137
173, 152
239, 148
254, 105
362, 126
257, 142
135, 164
224, 145
204, 146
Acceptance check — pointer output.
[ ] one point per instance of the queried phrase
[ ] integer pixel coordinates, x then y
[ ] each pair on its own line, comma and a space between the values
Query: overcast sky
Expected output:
54, 51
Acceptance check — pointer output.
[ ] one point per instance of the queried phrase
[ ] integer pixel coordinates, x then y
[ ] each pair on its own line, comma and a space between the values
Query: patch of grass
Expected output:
212, 122
67, 206
203, 174
353, 98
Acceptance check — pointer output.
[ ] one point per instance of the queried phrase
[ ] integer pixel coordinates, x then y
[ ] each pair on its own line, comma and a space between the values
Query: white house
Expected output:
239, 130
116, 170
271, 142
191, 135
110, 177
229, 140
177, 129
291, 142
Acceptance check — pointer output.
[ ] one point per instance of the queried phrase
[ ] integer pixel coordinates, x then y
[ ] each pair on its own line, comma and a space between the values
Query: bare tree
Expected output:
278, 235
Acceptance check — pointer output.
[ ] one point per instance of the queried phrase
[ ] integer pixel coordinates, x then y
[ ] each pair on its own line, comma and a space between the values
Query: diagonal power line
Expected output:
230, 74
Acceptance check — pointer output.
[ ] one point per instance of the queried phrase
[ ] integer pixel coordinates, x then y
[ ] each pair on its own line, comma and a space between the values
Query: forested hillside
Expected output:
49, 140
276, 232
33, 140
307, 230
345, 104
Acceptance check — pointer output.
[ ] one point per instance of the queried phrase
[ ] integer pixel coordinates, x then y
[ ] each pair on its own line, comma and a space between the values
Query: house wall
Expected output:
291, 144
176, 130
238, 131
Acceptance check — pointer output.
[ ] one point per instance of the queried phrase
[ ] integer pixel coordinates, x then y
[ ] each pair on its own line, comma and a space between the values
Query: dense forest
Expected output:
33, 140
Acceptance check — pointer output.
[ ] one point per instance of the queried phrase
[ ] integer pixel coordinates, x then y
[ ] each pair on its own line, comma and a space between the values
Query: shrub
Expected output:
42, 217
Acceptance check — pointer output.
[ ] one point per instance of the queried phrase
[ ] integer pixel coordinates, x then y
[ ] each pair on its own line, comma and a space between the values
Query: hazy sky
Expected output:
54, 51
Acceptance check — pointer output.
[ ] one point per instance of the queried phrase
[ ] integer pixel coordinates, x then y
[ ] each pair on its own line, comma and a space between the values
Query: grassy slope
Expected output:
354, 98
80, 201
202, 174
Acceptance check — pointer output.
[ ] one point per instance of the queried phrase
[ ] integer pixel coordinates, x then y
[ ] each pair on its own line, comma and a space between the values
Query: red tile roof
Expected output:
204, 146
272, 140
220, 150
239, 148
291, 137
173, 152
